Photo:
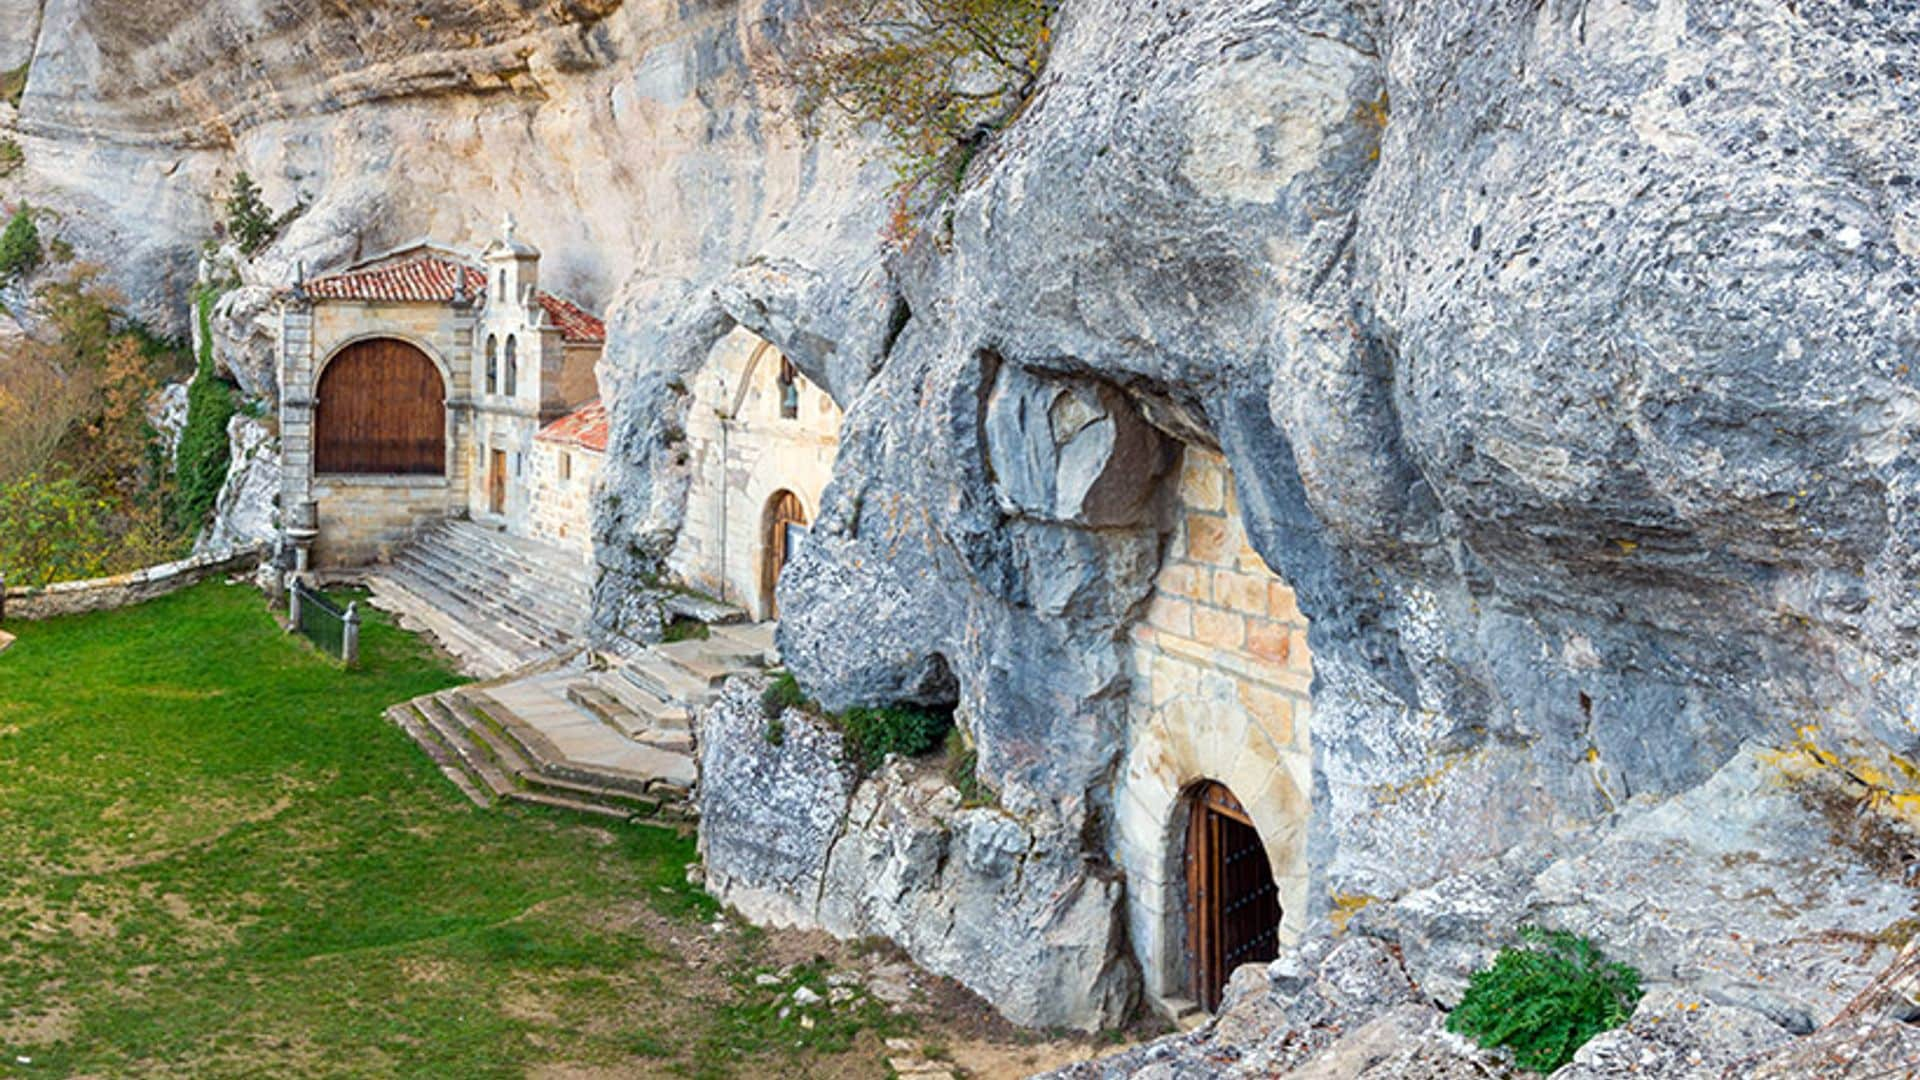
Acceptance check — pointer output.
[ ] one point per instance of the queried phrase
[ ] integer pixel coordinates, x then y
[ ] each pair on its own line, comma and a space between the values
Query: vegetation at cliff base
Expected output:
1545, 998
868, 733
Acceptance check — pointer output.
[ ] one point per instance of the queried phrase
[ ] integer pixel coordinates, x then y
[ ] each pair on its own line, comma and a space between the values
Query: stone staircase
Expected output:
617, 742
498, 603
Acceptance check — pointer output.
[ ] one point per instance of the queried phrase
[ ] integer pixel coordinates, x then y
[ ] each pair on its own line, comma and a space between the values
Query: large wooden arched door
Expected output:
786, 530
1233, 904
381, 408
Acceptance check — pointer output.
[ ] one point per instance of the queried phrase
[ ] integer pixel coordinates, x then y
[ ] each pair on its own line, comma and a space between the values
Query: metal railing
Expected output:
333, 631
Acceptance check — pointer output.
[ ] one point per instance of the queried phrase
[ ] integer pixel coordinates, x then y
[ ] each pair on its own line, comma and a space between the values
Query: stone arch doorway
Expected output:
380, 408
1232, 900
786, 530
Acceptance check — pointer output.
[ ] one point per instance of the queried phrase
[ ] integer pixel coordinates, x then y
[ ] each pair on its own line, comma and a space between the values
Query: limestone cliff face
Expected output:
1564, 354
627, 137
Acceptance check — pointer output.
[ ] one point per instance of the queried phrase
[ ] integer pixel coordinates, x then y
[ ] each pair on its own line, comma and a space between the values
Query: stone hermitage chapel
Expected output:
423, 387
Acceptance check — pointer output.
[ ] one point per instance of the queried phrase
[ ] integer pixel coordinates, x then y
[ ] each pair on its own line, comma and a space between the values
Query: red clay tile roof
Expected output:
430, 278
585, 427
574, 322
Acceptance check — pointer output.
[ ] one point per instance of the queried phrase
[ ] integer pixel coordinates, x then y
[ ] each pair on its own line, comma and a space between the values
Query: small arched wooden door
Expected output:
380, 408
1233, 904
786, 531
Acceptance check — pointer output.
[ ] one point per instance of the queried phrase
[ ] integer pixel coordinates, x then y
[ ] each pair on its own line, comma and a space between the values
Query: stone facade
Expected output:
1220, 691
561, 483
744, 452
357, 519
511, 358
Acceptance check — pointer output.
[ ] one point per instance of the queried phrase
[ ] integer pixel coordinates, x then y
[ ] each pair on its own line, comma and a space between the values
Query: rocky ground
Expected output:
1350, 1011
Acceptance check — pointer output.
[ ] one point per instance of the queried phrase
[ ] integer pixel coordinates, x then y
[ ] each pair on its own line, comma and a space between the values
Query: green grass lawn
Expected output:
217, 859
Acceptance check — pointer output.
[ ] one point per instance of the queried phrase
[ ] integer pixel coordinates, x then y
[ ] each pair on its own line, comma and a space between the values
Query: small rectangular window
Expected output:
566, 466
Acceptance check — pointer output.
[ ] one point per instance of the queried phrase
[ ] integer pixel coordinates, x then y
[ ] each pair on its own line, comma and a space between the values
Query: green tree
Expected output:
20, 244
250, 220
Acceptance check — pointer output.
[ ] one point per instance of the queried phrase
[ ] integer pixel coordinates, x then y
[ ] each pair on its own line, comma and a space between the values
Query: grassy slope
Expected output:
215, 858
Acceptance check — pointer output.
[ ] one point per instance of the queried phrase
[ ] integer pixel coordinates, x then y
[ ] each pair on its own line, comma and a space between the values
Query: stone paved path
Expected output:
617, 742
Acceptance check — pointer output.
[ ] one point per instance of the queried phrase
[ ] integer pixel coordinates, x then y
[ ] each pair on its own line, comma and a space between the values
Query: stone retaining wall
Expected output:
122, 590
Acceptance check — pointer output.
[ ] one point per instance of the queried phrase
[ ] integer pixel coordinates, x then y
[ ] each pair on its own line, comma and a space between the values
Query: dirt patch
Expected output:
38, 1027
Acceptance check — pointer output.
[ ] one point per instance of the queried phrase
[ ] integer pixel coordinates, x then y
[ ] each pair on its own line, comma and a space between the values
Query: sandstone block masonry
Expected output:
1221, 686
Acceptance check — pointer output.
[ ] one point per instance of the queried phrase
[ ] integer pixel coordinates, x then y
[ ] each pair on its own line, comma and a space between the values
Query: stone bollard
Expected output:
293, 603
350, 636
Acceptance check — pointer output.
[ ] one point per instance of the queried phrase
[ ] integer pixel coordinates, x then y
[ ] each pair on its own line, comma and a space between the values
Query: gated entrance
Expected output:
786, 530
1233, 905
497, 482
380, 409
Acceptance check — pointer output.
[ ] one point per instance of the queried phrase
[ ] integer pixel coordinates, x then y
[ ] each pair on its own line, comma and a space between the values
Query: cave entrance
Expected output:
786, 530
1233, 904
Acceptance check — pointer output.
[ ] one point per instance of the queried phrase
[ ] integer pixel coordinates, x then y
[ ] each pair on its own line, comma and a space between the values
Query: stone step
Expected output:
477, 762
408, 720
667, 681
492, 545
753, 642
580, 748
469, 641
562, 802
533, 608
482, 729
489, 567
464, 606
700, 660
648, 710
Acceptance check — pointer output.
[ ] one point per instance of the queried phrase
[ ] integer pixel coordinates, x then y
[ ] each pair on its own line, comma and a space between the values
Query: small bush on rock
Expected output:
20, 245
783, 693
935, 77
1544, 1000
250, 221
872, 734
11, 156
868, 734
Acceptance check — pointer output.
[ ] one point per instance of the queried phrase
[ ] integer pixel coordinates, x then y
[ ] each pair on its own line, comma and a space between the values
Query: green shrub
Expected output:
870, 734
685, 629
200, 466
963, 772
11, 156
934, 77
20, 245
1546, 999
55, 530
784, 693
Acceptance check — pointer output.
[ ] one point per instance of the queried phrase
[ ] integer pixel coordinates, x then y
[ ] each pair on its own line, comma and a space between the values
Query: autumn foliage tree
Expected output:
936, 78
82, 488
